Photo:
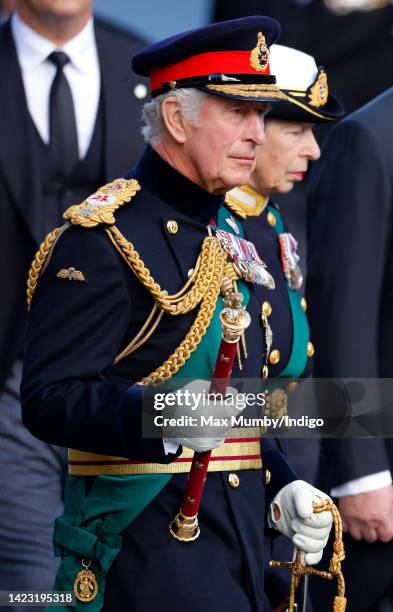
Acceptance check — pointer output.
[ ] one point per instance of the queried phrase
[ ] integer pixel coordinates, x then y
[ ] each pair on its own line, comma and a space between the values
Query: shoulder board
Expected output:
98, 208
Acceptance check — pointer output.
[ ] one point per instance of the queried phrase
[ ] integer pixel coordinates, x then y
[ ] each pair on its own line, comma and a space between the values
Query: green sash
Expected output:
93, 520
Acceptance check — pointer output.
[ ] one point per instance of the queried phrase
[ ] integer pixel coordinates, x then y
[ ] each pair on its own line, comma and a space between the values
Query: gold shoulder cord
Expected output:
38, 262
206, 282
203, 287
93, 211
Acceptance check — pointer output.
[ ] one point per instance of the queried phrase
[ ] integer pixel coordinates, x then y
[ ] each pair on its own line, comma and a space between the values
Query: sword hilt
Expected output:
298, 570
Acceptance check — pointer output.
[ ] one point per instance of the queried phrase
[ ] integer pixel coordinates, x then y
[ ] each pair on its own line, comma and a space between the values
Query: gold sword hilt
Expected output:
298, 570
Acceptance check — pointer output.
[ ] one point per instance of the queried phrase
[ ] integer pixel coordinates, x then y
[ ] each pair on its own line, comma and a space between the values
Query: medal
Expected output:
246, 260
290, 260
85, 585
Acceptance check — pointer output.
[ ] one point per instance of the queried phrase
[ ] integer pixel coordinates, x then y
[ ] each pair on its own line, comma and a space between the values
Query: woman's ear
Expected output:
173, 119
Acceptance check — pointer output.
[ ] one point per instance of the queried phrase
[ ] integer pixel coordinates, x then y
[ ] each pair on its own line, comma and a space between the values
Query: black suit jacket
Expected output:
22, 220
350, 269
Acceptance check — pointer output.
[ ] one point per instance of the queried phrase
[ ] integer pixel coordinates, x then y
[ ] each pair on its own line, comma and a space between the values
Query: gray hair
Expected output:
190, 101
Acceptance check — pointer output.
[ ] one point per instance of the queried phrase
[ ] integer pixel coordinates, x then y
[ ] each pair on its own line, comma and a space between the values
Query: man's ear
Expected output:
174, 120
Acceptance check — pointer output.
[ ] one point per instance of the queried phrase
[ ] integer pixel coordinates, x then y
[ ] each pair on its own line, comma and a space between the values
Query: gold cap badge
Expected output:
259, 57
319, 92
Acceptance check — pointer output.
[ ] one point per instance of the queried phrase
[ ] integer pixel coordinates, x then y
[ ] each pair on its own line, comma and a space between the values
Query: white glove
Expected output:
292, 514
204, 437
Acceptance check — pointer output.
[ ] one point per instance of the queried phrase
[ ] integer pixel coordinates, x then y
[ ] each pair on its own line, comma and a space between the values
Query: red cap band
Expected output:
227, 62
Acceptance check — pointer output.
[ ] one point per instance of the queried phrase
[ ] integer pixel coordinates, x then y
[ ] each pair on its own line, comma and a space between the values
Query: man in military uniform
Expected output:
128, 291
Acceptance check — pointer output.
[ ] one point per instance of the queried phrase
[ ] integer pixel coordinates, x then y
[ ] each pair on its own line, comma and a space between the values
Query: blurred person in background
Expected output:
351, 38
6, 8
68, 115
349, 289
282, 161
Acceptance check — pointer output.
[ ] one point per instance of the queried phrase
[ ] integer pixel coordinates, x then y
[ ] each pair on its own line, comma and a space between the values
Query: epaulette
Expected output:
98, 208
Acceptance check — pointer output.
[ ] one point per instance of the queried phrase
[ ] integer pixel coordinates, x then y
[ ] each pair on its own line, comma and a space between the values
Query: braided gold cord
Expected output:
298, 569
338, 548
211, 259
196, 332
39, 262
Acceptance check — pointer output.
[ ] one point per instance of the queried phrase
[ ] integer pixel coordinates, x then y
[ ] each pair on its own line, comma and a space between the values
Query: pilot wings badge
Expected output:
71, 274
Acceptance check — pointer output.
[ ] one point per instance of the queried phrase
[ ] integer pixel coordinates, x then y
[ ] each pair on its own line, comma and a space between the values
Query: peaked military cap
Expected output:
229, 59
305, 86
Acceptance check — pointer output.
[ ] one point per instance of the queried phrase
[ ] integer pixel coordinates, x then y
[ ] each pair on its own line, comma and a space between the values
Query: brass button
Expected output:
190, 272
271, 218
172, 84
172, 227
292, 385
234, 480
310, 349
274, 357
267, 476
267, 309
303, 302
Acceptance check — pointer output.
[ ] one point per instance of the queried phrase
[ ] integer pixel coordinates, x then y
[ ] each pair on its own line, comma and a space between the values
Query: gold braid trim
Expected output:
95, 210
39, 262
250, 91
240, 208
196, 332
235, 208
207, 278
210, 260
98, 208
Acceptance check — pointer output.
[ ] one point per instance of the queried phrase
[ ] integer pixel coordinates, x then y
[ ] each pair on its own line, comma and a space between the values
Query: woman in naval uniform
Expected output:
283, 161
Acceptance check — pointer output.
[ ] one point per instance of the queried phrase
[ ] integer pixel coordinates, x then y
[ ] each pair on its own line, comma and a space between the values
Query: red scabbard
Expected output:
200, 464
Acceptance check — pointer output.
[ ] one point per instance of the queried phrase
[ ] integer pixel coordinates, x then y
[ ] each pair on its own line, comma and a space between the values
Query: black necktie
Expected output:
62, 125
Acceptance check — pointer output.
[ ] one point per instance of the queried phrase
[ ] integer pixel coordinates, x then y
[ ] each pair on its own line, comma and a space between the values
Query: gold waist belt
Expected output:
241, 451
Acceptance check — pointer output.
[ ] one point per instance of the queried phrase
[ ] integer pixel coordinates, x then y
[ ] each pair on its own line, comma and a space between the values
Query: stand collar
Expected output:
175, 189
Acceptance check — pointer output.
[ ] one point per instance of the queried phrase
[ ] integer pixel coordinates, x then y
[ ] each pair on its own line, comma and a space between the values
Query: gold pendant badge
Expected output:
259, 57
85, 585
319, 92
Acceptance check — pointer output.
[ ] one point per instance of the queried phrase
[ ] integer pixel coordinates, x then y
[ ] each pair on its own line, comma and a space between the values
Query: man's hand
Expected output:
291, 512
201, 438
368, 516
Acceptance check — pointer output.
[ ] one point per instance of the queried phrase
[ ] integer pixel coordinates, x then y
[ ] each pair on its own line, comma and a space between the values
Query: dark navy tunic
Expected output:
74, 396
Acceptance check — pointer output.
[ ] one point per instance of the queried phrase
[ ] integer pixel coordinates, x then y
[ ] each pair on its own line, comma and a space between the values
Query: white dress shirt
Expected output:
82, 73
364, 484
